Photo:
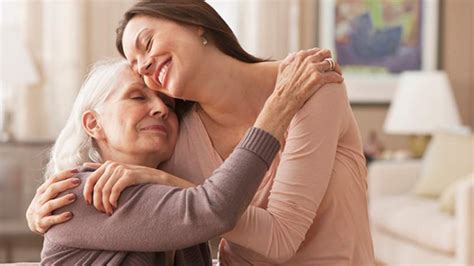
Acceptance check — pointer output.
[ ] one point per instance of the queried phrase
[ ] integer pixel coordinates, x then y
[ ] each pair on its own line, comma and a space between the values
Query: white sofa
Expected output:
411, 230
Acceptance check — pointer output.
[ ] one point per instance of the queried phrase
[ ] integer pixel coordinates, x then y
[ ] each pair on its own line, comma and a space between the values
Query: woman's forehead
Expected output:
127, 76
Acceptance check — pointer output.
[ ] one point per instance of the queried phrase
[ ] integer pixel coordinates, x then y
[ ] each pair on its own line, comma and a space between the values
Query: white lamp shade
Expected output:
423, 103
16, 66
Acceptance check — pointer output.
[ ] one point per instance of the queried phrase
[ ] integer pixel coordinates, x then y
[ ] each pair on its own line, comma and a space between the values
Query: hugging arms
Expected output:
155, 218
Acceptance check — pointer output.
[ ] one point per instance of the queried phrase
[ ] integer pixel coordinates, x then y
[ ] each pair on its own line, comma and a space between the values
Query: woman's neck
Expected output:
232, 92
151, 160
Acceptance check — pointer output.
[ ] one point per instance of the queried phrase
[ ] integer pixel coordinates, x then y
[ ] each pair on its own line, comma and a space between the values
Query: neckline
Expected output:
205, 136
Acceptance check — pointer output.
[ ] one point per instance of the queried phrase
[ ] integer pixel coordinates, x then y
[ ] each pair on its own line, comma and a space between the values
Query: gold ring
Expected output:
332, 64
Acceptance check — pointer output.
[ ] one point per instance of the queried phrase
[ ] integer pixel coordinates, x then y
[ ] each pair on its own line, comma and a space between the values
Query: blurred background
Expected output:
408, 65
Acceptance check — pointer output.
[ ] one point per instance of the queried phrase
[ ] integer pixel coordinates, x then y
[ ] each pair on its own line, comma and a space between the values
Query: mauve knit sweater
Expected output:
153, 219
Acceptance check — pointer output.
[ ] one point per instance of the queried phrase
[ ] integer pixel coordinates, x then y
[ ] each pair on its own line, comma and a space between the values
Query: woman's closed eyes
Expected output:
149, 44
139, 96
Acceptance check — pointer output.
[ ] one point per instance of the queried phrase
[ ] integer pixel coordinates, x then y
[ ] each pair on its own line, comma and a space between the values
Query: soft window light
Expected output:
16, 69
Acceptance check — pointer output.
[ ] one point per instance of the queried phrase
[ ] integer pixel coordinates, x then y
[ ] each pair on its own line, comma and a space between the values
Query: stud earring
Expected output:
204, 40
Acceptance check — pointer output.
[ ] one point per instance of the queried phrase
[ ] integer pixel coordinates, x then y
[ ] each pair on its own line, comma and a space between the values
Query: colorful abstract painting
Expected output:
379, 36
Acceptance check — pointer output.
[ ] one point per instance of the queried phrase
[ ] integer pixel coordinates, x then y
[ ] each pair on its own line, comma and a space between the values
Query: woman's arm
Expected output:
160, 218
301, 179
157, 218
299, 77
200, 204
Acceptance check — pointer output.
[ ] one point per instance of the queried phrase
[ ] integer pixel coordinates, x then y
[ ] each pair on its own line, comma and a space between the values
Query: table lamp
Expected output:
422, 104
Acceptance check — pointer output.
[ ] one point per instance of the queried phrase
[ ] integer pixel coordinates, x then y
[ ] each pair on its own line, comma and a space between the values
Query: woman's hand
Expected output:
300, 75
39, 212
104, 186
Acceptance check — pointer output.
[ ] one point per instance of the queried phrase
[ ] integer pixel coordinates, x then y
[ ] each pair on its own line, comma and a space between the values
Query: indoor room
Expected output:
311, 132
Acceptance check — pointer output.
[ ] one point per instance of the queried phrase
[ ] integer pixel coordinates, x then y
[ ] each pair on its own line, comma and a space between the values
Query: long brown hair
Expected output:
189, 12
194, 13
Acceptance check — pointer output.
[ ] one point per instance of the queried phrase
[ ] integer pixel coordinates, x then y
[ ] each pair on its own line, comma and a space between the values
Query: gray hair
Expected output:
74, 146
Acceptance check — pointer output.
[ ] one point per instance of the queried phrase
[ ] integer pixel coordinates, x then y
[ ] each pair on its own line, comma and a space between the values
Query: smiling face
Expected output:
167, 54
135, 121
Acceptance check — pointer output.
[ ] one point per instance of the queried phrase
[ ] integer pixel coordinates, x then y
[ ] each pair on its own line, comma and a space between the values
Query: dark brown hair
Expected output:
194, 13
189, 12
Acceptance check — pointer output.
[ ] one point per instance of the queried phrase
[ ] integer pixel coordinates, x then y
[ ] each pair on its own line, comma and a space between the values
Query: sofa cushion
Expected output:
448, 158
447, 197
415, 219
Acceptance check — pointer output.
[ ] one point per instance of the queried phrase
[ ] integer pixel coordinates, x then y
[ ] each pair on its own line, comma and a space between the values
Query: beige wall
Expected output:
102, 20
456, 58
457, 53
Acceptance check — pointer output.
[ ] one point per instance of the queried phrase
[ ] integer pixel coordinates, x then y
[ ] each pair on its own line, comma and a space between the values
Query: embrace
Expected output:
188, 138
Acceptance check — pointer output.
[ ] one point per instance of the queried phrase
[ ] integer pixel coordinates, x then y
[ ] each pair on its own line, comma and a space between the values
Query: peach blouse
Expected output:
311, 207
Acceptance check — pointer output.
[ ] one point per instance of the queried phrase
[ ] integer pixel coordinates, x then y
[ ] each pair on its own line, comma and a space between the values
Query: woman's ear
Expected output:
91, 124
200, 31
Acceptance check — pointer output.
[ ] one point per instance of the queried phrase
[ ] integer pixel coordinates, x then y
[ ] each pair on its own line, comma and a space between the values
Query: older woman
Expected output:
117, 118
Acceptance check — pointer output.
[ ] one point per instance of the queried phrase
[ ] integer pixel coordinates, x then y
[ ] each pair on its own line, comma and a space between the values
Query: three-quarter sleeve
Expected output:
301, 180
159, 218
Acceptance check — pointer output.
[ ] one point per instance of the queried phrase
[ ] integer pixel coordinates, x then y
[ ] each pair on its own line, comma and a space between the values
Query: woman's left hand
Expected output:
104, 186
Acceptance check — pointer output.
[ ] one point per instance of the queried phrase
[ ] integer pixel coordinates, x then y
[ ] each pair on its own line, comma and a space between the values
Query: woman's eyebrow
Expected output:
132, 87
136, 86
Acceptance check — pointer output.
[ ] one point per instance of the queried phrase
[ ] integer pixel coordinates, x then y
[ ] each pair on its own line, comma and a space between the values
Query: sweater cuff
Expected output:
262, 143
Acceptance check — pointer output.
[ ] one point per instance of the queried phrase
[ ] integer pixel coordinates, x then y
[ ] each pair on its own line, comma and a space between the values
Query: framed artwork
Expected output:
375, 40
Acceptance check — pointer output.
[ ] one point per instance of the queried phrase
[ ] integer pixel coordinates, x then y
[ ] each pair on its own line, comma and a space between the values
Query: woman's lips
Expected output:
156, 128
162, 72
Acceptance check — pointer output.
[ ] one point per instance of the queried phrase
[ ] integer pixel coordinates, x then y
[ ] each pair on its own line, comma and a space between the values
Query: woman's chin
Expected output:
175, 92
156, 147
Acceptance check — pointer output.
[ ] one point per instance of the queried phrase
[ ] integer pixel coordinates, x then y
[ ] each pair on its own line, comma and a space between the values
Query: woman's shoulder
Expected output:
331, 100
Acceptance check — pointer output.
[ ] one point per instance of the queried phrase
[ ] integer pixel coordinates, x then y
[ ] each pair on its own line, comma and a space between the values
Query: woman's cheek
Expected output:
150, 83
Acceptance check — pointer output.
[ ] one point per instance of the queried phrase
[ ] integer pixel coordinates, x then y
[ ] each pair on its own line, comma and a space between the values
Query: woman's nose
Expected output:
159, 108
145, 68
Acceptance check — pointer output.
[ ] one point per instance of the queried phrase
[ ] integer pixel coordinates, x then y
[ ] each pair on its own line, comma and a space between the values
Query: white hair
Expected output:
74, 146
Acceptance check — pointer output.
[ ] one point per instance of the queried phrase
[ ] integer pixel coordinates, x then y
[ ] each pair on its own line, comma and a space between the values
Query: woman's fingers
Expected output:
56, 178
323, 66
303, 55
307, 58
319, 75
118, 188
332, 77
99, 186
91, 181
107, 190
43, 203
320, 56
286, 61
337, 69
47, 208
92, 165
55, 188
48, 221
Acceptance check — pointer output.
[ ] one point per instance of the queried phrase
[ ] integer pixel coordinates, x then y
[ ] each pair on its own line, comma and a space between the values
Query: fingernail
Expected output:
76, 181
71, 197
68, 215
75, 171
